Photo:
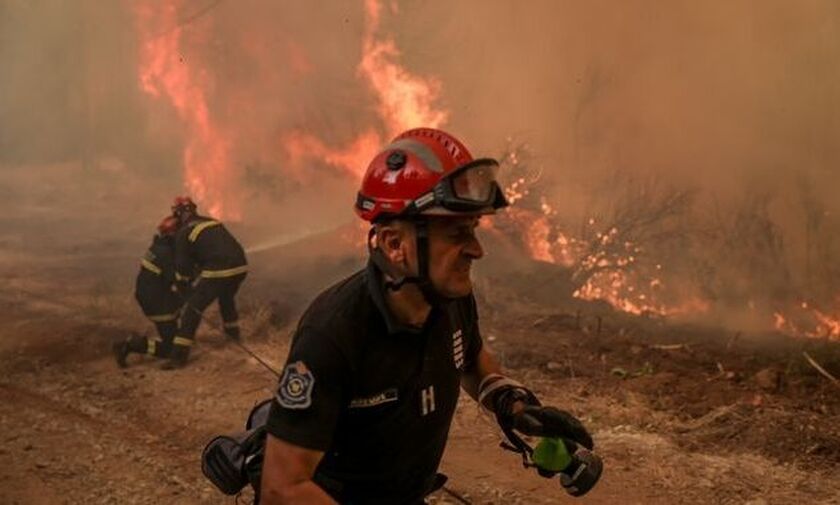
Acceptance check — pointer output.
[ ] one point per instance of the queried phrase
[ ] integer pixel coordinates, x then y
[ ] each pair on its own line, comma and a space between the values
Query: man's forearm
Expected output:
486, 364
287, 475
304, 493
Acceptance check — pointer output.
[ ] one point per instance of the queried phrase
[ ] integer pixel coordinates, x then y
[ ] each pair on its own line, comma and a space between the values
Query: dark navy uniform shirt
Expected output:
153, 287
376, 396
157, 267
160, 258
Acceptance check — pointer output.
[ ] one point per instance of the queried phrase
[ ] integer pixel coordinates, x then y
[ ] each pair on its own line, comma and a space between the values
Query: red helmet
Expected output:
182, 204
168, 226
427, 171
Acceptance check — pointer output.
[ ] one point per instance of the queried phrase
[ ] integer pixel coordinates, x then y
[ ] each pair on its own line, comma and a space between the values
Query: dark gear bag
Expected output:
231, 462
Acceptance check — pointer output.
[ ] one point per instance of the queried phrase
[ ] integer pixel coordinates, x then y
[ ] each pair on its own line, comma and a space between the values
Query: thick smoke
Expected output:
729, 109
732, 106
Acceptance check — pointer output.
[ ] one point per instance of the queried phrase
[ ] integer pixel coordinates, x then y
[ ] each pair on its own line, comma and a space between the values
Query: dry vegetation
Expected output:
681, 414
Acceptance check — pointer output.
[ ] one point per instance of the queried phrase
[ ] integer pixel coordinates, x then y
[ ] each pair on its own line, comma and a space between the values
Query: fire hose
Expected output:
236, 341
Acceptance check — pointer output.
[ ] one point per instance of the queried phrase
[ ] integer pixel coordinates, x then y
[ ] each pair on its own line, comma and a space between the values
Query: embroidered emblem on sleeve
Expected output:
296, 387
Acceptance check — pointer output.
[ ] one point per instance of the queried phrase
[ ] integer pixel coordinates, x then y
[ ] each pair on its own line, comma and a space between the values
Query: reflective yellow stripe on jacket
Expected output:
230, 272
183, 341
151, 346
151, 267
163, 318
199, 228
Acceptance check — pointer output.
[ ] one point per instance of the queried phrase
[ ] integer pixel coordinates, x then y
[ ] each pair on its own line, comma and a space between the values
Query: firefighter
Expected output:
365, 401
155, 292
210, 265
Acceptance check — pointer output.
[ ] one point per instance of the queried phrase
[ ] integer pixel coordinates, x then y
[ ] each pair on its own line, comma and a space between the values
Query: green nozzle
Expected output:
551, 454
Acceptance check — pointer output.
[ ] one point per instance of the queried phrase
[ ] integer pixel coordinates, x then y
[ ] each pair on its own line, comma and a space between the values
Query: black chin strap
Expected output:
431, 295
422, 280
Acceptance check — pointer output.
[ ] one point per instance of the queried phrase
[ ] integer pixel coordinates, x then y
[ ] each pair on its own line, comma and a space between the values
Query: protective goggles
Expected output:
471, 188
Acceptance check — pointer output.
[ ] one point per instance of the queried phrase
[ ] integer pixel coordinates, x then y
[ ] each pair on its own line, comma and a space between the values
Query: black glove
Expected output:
504, 401
540, 421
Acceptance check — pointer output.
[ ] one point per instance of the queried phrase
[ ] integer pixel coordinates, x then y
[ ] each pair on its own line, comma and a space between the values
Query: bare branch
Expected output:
820, 369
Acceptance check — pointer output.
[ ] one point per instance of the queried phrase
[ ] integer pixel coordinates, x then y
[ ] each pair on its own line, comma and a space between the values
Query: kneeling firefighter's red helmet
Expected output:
425, 172
183, 205
168, 226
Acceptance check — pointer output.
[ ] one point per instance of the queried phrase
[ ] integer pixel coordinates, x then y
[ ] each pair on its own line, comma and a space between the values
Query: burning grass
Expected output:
647, 248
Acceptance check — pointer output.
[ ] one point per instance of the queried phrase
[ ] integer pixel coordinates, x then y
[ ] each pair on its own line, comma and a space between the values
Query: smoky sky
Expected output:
711, 92
727, 97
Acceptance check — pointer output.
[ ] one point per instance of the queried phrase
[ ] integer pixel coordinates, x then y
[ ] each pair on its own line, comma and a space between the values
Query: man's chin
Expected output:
459, 291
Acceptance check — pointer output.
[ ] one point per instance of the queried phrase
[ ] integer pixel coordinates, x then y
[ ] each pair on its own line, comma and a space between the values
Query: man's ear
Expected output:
390, 240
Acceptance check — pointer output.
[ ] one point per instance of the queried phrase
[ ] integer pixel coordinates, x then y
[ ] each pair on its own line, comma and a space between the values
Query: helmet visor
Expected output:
476, 183
471, 189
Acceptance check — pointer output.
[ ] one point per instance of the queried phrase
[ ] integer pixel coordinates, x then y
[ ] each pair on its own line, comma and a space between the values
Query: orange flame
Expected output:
166, 71
536, 232
611, 268
828, 326
403, 101
352, 159
609, 276
807, 322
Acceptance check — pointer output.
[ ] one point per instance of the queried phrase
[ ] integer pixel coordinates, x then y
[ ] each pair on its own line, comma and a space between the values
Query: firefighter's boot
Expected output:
232, 331
178, 356
121, 349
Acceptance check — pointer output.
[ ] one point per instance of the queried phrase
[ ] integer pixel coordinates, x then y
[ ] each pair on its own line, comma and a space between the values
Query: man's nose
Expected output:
473, 249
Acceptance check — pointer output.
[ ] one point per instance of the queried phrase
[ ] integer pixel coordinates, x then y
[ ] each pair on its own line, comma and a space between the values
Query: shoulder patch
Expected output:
296, 385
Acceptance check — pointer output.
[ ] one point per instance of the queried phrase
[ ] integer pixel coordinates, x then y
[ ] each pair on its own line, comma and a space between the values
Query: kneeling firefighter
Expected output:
155, 292
210, 265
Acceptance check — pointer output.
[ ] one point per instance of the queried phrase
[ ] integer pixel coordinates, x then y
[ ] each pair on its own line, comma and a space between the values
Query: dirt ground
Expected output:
680, 414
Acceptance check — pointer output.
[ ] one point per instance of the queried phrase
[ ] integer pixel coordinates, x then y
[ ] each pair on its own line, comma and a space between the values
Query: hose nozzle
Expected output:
578, 467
